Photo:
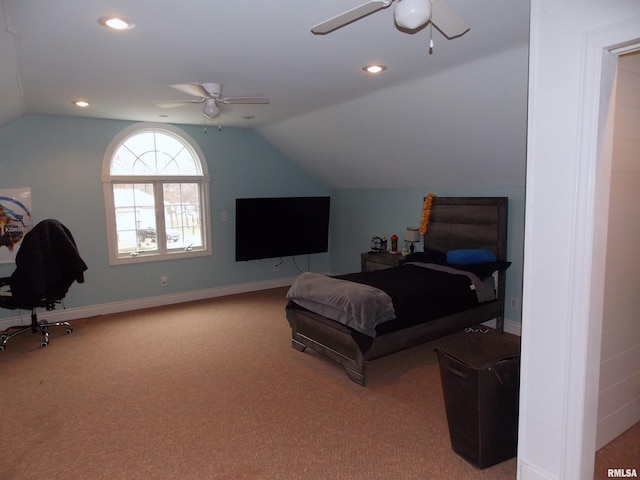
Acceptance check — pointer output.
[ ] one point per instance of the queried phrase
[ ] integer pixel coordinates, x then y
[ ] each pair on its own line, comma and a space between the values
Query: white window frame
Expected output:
108, 180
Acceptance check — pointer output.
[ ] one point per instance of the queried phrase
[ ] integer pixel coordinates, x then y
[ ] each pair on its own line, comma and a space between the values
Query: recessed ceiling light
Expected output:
81, 103
374, 68
116, 23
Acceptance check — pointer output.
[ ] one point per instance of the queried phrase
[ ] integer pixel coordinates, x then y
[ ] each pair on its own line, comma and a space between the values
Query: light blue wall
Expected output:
60, 159
357, 215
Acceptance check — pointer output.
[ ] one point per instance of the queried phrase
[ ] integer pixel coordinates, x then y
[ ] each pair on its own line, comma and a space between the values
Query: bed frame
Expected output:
456, 222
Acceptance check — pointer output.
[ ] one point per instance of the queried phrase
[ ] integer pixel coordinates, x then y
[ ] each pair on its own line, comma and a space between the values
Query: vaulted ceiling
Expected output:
456, 117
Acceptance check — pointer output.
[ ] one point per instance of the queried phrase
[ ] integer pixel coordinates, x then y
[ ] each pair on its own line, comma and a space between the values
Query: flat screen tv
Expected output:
281, 227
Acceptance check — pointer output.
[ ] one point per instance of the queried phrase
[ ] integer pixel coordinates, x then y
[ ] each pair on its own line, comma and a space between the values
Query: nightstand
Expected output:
379, 260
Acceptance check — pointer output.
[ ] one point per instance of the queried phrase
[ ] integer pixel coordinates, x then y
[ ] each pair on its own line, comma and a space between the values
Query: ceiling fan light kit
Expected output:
409, 16
412, 14
210, 109
210, 95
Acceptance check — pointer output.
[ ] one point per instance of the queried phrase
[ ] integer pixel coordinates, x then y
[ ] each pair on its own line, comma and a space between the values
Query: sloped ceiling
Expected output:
455, 118
413, 135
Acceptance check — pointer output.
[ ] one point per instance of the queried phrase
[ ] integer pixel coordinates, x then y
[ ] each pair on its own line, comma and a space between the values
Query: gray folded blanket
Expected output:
355, 305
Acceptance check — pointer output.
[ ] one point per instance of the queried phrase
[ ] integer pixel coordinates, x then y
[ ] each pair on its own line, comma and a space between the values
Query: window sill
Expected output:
158, 257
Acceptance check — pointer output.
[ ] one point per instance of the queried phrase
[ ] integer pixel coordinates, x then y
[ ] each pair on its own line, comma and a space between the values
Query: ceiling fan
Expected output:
409, 16
210, 95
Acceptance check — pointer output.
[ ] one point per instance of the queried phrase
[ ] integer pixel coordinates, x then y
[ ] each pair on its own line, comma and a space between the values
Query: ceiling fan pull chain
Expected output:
431, 38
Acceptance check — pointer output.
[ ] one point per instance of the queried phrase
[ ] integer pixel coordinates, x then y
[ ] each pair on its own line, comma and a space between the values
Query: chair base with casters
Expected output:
36, 326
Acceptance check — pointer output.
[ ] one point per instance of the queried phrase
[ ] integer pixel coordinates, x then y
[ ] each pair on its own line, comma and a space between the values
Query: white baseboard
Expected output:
510, 326
513, 327
67, 314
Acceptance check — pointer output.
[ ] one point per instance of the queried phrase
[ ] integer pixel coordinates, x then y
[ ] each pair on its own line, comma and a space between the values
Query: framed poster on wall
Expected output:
15, 220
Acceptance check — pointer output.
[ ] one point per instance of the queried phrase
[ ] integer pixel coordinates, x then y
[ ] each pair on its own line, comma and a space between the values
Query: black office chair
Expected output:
47, 263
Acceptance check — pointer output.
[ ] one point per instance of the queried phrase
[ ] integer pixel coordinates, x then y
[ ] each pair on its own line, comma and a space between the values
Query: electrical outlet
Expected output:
514, 303
276, 267
164, 281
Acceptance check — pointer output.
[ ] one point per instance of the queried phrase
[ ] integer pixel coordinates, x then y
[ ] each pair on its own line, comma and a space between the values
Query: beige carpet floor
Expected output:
213, 390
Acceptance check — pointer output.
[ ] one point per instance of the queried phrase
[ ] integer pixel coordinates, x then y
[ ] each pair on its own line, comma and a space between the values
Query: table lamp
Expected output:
411, 236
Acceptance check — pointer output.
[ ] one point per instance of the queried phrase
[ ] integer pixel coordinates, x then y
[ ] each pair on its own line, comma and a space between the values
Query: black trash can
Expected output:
481, 381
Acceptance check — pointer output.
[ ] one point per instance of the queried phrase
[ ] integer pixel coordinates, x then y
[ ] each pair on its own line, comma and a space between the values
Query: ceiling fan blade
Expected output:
349, 16
447, 21
247, 100
171, 104
191, 88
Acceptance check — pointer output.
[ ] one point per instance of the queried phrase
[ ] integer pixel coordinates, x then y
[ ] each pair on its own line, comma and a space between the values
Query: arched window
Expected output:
156, 190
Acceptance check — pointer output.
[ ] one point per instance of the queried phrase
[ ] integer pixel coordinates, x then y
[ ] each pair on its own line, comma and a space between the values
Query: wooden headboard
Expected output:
471, 222
468, 222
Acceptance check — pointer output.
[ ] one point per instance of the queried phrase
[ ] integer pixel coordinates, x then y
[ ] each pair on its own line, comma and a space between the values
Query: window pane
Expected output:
154, 153
182, 215
173, 157
135, 217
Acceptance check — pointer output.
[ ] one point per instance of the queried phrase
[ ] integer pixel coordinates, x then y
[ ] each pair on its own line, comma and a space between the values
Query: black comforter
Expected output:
419, 295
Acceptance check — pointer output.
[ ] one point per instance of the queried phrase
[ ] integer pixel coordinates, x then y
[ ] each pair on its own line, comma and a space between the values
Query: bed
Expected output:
456, 224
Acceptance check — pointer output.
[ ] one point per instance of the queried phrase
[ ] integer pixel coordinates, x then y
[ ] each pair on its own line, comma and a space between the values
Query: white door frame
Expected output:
601, 50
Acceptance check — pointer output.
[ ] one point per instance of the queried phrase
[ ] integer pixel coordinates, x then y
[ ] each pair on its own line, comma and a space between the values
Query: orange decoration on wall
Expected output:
426, 213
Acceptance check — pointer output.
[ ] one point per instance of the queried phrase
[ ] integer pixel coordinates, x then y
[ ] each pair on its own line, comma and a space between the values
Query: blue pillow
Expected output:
468, 256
